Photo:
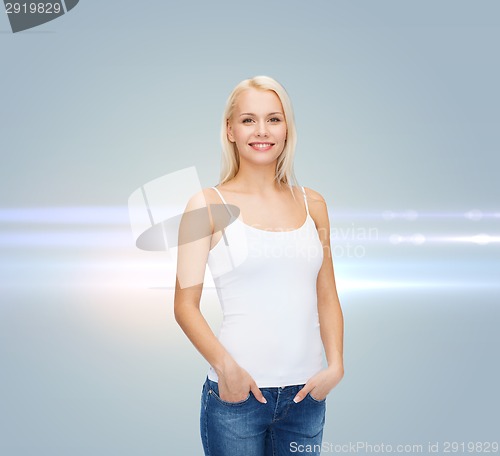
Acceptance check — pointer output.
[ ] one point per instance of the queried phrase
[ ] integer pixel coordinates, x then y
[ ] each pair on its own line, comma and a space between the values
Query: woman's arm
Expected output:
329, 311
234, 382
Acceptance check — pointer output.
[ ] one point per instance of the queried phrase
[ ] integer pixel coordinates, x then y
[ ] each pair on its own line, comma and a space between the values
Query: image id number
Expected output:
33, 8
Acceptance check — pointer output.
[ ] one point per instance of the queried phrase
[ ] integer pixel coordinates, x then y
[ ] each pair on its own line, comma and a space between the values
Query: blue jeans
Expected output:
250, 428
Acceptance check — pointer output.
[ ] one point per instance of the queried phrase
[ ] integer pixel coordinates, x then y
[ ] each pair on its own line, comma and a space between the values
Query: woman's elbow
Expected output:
183, 309
178, 311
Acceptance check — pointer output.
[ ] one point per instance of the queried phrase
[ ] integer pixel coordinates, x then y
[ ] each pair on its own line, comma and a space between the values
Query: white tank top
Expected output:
266, 284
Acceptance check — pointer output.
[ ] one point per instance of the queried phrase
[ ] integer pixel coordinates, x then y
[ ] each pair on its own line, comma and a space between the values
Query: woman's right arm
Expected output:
195, 235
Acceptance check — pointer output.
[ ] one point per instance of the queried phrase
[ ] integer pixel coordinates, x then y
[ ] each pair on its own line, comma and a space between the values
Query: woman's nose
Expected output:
261, 129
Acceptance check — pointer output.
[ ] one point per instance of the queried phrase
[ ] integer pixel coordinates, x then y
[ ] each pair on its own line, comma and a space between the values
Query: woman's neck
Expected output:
256, 179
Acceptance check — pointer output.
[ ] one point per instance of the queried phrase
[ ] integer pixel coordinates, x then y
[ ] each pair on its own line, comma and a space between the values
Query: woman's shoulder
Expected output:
312, 195
202, 203
210, 193
317, 207
204, 196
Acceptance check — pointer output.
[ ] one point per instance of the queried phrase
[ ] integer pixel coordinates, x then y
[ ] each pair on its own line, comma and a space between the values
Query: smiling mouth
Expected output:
261, 146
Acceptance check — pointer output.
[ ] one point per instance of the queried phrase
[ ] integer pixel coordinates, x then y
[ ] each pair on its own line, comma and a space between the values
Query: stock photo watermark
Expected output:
351, 242
453, 447
159, 222
24, 15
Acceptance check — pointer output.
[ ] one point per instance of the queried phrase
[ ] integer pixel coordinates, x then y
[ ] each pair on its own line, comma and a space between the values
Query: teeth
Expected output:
261, 145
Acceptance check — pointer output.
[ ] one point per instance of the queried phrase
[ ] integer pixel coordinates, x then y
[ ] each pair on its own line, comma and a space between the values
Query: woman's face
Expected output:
258, 126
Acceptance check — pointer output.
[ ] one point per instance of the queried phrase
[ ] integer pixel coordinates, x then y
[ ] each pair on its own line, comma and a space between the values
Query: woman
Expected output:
265, 392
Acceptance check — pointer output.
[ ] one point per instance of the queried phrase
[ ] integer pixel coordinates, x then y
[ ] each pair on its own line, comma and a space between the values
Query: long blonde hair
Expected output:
230, 160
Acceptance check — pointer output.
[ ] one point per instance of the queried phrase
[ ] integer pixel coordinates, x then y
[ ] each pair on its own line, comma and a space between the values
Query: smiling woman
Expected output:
266, 387
279, 109
262, 131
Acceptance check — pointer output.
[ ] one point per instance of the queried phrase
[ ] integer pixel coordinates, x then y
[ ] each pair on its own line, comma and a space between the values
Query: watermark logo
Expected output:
351, 242
24, 15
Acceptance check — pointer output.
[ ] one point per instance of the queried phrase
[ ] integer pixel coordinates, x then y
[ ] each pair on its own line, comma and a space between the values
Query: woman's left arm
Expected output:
331, 319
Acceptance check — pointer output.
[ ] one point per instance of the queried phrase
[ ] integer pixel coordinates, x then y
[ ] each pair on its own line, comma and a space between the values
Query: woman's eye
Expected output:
275, 119
247, 120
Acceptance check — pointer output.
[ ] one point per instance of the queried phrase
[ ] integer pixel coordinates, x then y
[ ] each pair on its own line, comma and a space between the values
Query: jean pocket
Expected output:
318, 401
214, 394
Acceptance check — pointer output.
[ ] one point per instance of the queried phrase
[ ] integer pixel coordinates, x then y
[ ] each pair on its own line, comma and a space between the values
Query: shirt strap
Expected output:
221, 197
224, 201
305, 199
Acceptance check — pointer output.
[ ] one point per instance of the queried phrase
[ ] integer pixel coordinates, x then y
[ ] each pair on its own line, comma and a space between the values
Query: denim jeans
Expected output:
250, 428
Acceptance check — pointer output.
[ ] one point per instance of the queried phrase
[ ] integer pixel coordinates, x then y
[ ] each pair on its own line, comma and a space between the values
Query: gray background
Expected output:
397, 114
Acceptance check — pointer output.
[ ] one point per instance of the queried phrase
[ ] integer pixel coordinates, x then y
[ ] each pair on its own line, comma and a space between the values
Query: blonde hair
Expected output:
230, 159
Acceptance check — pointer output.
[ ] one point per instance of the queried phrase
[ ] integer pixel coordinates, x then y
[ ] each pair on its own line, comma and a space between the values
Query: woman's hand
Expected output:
236, 383
322, 383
